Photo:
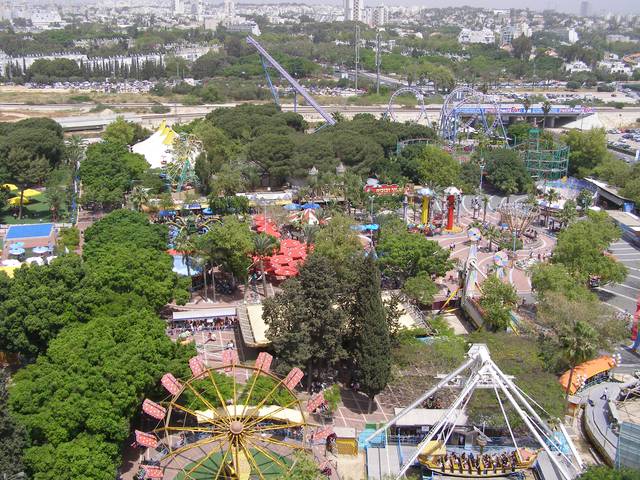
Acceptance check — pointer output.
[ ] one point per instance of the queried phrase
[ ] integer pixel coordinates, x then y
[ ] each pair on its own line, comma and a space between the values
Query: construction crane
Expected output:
268, 59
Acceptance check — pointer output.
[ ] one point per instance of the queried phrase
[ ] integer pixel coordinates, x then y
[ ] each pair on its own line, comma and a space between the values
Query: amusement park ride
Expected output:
230, 422
434, 452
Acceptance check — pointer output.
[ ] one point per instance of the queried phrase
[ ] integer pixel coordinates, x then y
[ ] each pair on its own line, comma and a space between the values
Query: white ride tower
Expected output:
482, 373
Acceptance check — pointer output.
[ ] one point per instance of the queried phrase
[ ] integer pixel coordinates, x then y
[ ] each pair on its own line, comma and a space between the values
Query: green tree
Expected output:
521, 47
506, 171
568, 213
305, 328
372, 345
588, 149
420, 288
139, 197
305, 468
58, 190
83, 392
496, 302
14, 438
404, 254
546, 108
186, 245
432, 166
581, 249
603, 472
337, 242
585, 199
26, 171
579, 329
119, 131
264, 246
547, 277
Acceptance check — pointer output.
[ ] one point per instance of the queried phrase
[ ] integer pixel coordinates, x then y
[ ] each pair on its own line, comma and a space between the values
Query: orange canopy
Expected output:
586, 370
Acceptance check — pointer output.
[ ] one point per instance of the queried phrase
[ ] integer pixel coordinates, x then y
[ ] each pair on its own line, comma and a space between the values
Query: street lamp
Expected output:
313, 175
482, 165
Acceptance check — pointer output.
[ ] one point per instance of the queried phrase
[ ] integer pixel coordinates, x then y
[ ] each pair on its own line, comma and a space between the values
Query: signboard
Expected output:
383, 189
293, 379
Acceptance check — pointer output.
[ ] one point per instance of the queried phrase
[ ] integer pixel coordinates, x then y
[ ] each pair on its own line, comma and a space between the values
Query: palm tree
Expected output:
551, 197
74, 151
309, 233
184, 243
212, 257
546, 108
493, 234
578, 343
485, 204
139, 197
264, 246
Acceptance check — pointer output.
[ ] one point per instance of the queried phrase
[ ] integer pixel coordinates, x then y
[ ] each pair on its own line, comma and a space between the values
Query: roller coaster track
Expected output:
292, 81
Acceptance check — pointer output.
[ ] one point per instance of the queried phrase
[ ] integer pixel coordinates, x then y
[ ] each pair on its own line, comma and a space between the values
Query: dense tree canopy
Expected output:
506, 171
108, 173
76, 401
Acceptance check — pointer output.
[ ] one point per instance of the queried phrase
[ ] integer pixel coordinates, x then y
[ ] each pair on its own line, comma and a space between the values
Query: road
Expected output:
623, 297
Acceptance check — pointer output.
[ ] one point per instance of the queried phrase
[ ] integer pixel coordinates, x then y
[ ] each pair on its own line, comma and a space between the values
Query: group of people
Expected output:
195, 326
479, 464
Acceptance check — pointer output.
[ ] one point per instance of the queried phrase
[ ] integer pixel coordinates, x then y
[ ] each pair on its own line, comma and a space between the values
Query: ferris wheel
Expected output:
181, 169
230, 422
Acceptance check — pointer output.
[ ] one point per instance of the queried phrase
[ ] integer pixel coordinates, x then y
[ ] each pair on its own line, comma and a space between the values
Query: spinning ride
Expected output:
466, 111
422, 111
231, 422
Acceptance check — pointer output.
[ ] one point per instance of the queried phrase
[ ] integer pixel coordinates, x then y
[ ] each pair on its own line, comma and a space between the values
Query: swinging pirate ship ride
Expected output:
434, 454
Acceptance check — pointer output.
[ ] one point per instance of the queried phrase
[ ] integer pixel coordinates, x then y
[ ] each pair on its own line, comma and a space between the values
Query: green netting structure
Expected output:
541, 163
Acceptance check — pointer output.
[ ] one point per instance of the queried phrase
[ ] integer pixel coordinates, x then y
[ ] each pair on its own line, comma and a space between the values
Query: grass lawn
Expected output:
37, 211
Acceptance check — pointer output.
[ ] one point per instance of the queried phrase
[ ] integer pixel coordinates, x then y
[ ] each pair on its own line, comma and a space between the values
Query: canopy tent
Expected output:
584, 371
8, 270
158, 148
10, 186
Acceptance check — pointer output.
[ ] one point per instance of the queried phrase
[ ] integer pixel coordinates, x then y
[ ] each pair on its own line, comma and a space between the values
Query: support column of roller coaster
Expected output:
266, 58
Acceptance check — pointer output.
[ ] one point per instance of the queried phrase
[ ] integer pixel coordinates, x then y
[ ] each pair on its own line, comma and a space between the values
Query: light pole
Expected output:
313, 176
482, 164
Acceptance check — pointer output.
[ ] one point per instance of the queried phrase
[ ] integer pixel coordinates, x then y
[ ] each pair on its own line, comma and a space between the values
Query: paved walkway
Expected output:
597, 419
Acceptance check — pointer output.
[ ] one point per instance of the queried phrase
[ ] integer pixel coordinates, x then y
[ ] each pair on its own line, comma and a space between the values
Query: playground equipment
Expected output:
422, 112
180, 171
297, 88
518, 216
482, 373
466, 111
544, 163
425, 195
233, 422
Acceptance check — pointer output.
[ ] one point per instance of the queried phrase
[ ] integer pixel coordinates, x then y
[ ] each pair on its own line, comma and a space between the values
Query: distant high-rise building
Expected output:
353, 10
229, 8
200, 10
380, 16
584, 9
178, 7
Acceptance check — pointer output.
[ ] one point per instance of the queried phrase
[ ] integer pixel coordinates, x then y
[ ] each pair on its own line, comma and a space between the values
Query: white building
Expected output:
229, 8
467, 36
572, 36
178, 7
576, 67
615, 67
46, 19
353, 10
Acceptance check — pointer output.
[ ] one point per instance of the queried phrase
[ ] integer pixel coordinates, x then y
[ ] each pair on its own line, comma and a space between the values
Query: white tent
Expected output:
158, 148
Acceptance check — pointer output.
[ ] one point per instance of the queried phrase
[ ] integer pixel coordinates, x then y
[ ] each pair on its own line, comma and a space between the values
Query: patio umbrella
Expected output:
425, 192
40, 250
11, 263
207, 211
16, 250
290, 243
280, 260
452, 191
37, 260
51, 258
312, 206
286, 272
297, 253
292, 206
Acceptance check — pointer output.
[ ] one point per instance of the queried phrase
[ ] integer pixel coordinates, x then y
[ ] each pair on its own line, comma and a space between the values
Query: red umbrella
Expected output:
273, 233
286, 271
297, 253
289, 242
280, 260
